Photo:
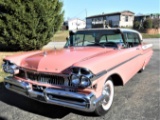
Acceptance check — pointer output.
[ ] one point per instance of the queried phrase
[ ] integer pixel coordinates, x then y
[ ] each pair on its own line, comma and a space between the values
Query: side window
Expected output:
83, 39
78, 39
103, 39
117, 38
88, 39
132, 39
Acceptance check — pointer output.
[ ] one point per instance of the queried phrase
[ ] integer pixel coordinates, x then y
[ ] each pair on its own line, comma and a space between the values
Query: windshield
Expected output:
103, 38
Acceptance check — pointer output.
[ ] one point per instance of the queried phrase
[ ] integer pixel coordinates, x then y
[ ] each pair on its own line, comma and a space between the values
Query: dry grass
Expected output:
145, 35
60, 36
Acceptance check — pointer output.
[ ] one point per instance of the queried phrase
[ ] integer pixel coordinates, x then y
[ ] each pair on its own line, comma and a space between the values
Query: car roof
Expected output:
120, 29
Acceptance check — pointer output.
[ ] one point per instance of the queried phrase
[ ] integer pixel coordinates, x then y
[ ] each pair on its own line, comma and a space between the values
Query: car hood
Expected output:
58, 61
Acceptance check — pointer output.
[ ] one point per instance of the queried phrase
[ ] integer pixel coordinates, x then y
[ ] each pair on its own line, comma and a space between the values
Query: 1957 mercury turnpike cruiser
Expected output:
84, 73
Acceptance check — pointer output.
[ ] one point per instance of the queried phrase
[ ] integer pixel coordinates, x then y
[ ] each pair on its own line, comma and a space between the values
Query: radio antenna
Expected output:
53, 40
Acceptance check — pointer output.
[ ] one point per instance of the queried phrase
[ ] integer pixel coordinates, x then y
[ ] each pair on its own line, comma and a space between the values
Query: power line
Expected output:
80, 13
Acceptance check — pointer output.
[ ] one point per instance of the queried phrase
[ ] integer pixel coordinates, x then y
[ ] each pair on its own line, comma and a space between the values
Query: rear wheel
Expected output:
108, 92
141, 70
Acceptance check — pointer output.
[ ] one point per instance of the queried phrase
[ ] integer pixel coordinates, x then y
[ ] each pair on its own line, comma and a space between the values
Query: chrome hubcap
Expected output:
107, 93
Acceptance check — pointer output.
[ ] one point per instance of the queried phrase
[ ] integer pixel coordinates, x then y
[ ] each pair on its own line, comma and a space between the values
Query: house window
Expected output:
126, 18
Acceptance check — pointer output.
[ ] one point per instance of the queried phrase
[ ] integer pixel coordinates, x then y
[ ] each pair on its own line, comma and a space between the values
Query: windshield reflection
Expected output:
103, 38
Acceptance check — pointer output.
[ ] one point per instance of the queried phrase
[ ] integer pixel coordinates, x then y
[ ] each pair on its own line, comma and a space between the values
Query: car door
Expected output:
132, 55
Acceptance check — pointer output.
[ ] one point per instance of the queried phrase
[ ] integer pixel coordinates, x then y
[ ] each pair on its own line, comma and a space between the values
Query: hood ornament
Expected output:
44, 53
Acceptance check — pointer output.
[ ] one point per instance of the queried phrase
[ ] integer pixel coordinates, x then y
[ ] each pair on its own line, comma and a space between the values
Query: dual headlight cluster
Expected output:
81, 77
9, 67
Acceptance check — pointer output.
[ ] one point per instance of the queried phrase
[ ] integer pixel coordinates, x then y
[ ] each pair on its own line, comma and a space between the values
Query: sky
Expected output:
82, 8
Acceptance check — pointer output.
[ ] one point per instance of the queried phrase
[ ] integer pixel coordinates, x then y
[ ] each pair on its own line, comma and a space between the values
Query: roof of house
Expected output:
144, 15
76, 19
126, 12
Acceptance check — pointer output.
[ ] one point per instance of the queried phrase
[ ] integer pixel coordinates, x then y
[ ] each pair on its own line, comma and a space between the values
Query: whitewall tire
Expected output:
108, 92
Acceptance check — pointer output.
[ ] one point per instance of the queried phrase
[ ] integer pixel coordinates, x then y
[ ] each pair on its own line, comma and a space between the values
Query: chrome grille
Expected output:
47, 79
44, 78
70, 83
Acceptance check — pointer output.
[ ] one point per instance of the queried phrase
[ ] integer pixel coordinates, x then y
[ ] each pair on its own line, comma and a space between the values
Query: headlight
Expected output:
75, 80
85, 82
10, 68
80, 77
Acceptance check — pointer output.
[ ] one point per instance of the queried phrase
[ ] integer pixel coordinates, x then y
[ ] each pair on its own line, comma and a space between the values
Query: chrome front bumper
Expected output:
87, 103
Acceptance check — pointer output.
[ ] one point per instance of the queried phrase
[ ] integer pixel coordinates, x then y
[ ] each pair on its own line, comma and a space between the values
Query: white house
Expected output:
74, 24
117, 19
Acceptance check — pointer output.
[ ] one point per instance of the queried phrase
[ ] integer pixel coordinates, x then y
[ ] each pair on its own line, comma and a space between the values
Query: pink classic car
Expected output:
84, 73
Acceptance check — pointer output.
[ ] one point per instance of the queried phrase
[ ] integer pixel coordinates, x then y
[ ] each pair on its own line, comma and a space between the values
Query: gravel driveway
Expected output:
139, 99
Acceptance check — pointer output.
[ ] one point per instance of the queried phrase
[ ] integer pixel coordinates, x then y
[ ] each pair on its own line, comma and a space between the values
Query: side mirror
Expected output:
120, 46
141, 40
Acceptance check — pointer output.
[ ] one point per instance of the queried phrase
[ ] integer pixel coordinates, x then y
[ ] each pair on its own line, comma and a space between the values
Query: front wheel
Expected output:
108, 92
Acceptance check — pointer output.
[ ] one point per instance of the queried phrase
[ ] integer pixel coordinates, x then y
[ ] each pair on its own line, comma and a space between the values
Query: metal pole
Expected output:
86, 12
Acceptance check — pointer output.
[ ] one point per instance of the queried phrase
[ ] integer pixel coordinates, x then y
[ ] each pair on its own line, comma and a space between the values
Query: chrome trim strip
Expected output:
144, 47
40, 72
100, 74
123, 63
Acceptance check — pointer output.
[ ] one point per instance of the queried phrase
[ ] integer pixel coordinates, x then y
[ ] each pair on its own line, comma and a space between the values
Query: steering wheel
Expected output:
111, 44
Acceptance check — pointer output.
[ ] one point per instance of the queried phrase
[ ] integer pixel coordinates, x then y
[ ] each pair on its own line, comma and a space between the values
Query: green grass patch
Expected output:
145, 35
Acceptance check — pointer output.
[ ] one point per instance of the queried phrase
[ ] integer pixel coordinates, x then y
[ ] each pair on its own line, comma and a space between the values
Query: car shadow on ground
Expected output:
33, 106
1, 118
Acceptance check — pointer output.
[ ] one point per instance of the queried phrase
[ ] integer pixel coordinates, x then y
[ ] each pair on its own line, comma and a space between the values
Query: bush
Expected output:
156, 23
148, 23
29, 25
136, 25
